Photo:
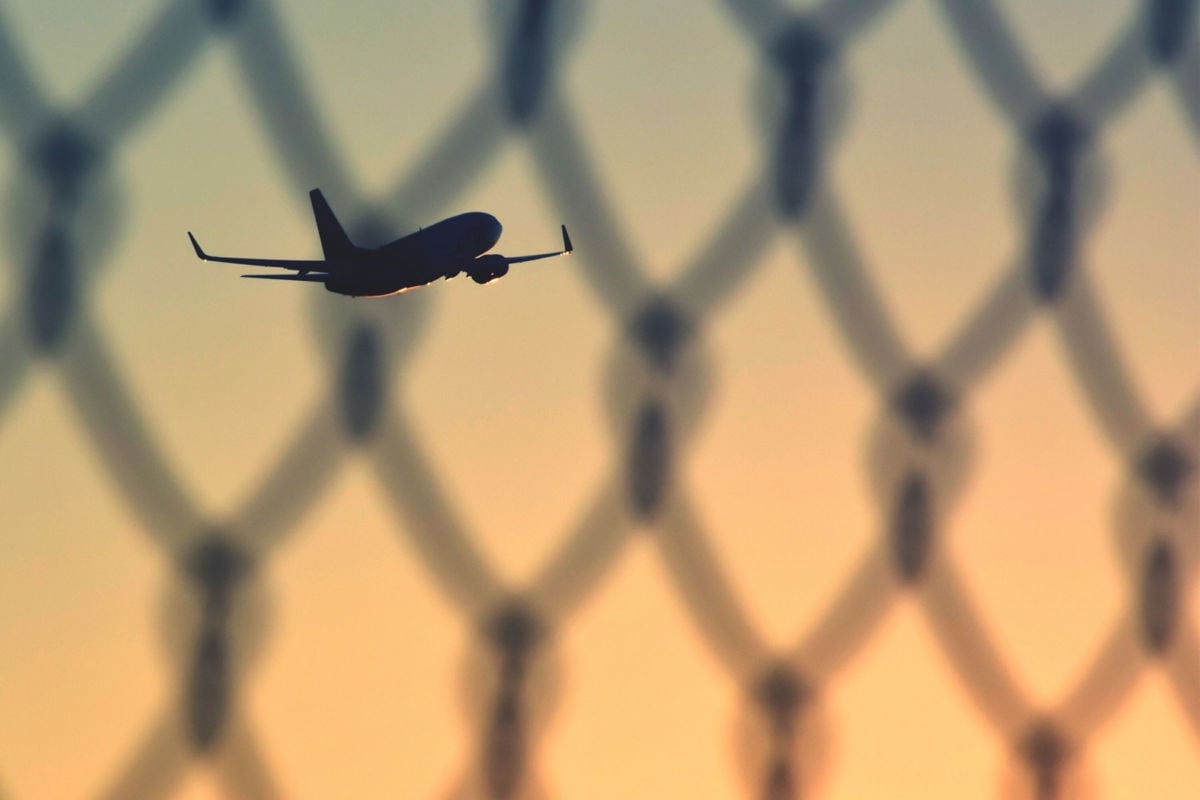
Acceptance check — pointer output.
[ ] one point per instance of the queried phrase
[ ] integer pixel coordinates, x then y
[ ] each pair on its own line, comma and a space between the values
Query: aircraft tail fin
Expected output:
334, 240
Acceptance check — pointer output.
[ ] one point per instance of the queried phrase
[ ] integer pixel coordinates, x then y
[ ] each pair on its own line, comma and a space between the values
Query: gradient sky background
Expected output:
356, 692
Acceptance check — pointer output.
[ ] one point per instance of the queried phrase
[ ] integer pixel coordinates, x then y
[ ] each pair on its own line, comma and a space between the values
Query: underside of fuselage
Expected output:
373, 280
379, 294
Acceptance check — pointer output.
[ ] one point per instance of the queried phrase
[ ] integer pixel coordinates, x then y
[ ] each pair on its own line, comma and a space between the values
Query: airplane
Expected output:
442, 250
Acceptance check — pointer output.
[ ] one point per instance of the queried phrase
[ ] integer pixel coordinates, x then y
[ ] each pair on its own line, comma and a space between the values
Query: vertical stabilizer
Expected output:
334, 240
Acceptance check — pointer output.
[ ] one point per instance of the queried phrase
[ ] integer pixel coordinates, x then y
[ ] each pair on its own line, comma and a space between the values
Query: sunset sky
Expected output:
359, 686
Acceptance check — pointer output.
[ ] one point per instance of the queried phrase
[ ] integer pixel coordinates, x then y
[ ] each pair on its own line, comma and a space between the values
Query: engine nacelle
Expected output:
486, 269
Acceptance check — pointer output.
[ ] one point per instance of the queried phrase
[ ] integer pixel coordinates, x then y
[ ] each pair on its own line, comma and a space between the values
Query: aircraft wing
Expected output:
567, 250
282, 263
311, 277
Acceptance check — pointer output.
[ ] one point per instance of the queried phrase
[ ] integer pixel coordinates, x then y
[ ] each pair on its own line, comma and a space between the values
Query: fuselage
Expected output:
442, 250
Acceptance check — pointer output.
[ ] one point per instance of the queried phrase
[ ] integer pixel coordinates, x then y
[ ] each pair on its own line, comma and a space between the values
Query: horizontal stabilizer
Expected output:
307, 278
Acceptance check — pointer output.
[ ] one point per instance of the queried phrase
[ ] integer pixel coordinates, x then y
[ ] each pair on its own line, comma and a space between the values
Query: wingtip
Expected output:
567, 246
196, 246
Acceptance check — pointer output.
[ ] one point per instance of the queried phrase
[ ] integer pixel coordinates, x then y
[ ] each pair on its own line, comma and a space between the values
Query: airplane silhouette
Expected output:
443, 250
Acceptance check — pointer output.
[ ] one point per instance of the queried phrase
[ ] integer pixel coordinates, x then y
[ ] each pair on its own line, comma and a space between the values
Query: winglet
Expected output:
567, 247
199, 253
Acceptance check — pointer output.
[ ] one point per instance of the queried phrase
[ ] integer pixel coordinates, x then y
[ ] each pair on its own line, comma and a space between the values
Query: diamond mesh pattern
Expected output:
68, 180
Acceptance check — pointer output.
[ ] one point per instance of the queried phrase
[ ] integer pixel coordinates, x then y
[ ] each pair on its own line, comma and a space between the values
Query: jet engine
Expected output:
486, 269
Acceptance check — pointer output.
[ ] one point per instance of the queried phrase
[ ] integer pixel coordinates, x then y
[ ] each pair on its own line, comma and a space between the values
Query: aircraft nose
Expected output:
494, 229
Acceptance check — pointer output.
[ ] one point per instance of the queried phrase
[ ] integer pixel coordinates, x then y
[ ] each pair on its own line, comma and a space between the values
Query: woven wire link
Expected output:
65, 213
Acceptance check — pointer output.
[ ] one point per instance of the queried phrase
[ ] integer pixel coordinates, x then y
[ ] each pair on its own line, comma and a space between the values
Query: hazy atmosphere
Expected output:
853, 453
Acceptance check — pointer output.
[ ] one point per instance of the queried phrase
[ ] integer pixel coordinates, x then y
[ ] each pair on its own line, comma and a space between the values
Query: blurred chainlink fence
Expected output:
64, 209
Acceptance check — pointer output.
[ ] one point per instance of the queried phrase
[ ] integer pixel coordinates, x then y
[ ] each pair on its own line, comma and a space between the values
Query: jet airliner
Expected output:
443, 250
